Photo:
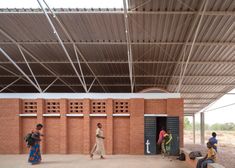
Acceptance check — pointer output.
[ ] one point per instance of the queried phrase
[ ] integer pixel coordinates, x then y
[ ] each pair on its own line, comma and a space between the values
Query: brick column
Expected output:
10, 131
20, 135
40, 119
86, 127
63, 126
109, 127
137, 126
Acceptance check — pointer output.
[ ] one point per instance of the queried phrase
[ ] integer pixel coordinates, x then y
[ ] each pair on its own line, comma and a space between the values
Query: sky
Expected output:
221, 115
62, 3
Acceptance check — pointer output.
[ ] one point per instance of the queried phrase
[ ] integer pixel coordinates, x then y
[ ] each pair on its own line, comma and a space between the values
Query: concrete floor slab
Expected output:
83, 161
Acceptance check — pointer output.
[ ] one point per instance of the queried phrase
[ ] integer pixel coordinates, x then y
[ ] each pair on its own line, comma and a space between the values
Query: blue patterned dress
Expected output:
35, 154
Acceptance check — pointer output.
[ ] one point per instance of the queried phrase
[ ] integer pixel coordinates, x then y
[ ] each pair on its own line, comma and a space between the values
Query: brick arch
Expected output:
154, 90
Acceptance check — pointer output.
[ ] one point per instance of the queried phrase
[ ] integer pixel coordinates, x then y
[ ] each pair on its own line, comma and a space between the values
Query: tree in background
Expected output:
223, 127
215, 127
187, 124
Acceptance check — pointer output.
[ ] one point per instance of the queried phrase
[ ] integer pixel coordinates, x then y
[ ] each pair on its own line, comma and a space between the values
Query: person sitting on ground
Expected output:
214, 141
209, 158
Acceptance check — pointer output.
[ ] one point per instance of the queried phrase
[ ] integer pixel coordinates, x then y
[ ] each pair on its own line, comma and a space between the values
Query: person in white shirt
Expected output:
99, 145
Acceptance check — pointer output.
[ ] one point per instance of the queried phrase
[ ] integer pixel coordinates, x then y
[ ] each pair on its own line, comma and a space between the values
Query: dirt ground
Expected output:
83, 161
226, 146
225, 155
225, 138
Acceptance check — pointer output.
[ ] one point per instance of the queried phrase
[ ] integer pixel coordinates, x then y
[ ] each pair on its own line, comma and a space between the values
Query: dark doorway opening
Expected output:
152, 128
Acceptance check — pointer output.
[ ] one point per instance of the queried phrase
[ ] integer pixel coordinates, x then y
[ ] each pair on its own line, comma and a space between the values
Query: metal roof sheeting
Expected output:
159, 38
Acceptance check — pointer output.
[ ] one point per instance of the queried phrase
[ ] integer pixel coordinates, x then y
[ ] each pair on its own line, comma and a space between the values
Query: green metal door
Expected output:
173, 125
150, 135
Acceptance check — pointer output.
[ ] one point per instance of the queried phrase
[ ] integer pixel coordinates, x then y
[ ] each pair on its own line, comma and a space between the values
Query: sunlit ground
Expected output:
226, 145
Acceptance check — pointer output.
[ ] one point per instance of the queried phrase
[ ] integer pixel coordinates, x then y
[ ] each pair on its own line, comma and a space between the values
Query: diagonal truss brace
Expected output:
29, 67
183, 70
32, 56
62, 45
77, 51
9, 58
50, 85
10, 84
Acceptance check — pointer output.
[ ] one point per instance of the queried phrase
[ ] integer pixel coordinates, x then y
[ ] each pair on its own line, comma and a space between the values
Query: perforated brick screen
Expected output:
121, 106
29, 106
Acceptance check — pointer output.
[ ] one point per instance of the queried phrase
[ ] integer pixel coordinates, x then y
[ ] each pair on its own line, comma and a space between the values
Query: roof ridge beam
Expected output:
202, 43
120, 12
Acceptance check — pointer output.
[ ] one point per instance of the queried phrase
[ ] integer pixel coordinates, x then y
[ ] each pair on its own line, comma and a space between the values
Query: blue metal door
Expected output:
173, 125
150, 135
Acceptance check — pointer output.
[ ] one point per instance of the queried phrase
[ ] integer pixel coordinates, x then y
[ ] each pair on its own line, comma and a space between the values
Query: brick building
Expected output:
69, 124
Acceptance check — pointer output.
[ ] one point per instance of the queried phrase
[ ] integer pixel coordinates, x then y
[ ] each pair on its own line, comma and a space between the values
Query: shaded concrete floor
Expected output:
83, 161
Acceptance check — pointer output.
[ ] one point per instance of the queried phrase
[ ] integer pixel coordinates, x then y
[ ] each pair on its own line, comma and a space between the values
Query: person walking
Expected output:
99, 145
35, 154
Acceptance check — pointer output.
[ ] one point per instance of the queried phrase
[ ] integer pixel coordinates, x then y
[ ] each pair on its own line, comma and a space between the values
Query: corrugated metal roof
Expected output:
159, 35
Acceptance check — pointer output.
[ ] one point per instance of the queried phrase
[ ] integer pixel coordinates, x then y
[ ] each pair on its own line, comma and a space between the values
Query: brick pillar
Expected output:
63, 126
109, 127
137, 126
175, 107
86, 127
20, 135
10, 131
40, 119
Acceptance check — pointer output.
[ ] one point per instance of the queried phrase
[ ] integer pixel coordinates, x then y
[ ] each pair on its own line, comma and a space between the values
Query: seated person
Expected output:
209, 158
214, 141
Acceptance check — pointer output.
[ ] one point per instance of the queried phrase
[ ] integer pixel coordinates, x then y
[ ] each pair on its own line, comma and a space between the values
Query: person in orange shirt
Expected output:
209, 158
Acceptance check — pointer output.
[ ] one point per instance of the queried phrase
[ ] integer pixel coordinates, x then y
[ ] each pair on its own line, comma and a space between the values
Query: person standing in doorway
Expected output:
161, 141
35, 154
214, 141
99, 145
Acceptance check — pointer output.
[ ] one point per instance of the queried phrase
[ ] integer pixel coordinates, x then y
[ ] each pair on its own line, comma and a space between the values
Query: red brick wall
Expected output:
75, 135
10, 139
52, 135
121, 138
155, 106
137, 126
